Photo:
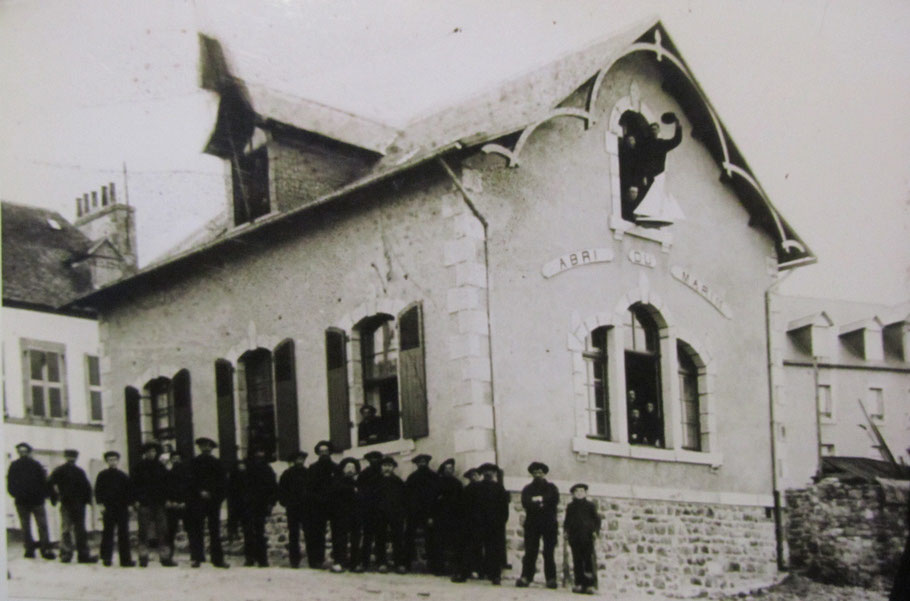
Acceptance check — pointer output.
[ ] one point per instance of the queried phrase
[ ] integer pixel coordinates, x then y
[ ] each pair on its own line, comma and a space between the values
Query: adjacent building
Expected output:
571, 267
52, 390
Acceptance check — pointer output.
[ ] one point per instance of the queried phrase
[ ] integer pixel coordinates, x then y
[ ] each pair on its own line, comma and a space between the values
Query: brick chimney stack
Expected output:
108, 219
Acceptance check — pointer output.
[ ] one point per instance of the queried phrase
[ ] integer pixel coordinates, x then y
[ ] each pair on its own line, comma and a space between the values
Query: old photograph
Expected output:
497, 299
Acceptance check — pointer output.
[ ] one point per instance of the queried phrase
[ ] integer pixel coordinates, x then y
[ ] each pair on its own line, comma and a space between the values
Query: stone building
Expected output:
513, 278
52, 389
833, 355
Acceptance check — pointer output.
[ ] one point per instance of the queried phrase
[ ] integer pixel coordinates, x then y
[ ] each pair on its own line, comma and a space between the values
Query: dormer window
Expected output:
250, 179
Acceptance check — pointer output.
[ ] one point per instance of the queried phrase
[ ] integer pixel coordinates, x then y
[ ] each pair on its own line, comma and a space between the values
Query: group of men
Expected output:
368, 511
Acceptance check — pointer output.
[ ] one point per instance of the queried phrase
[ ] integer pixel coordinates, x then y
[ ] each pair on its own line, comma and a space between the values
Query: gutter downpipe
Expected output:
469, 201
778, 522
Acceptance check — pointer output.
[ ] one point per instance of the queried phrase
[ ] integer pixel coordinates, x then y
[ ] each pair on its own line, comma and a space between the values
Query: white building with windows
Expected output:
842, 358
570, 268
52, 389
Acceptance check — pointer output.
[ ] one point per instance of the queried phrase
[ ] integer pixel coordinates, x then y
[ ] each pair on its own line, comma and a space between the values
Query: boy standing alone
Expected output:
581, 525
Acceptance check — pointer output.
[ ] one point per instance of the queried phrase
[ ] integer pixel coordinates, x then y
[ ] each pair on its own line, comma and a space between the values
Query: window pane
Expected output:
94, 371
38, 401
36, 358
53, 367
96, 411
55, 400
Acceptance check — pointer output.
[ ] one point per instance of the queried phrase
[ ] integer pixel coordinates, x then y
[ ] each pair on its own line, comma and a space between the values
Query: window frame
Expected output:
875, 399
92, 389
369, 382
155, 389
29, 346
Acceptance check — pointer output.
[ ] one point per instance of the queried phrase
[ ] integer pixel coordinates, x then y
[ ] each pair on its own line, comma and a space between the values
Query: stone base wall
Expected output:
848, 533
667, 547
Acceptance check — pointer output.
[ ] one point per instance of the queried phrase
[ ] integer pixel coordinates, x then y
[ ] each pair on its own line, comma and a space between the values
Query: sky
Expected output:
815, 93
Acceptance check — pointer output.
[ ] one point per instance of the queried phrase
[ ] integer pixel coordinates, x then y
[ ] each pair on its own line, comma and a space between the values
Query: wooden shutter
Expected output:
133, 414
337, 377
224, 394
183, 413
286, 399
412, 388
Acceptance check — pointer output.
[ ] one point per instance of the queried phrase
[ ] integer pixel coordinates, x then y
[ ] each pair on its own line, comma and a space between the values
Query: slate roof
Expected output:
39, 247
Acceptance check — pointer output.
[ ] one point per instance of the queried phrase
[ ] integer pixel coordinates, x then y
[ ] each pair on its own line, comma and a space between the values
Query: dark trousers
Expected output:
390, 528
469, 549
116, 518
72, 531
200, 513
314, 534
255, 548
492, 545
444, 555
417, 522
346, 541
368, 541
900, 590
26, 511
583, 562
295, 517
533, 533
175, 517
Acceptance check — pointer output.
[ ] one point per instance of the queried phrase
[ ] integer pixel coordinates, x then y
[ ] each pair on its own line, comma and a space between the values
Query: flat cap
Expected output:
389, 460
24, 445
324, 443
205, 440
349, 460
373, 456
579, 485
470, 472
488, 467
297, 455
112, 454
537, 465
71, 453
421, 457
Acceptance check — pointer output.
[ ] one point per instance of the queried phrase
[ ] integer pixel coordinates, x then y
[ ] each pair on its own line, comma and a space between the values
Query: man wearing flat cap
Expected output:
347, 509
291, 492
369, 430
320, 476
209, 487
114, 490
487, 504
150, 480
368, 482
391, 510
26, 482
421, 490
540, 500
581, 525
70, 485
447, 517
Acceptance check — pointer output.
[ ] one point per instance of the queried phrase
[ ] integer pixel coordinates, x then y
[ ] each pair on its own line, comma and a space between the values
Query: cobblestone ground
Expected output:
51, 580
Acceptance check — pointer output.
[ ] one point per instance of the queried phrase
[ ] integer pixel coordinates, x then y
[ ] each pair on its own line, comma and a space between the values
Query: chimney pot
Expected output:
94, 198
78, 207
103, 196
113, 195
86, 203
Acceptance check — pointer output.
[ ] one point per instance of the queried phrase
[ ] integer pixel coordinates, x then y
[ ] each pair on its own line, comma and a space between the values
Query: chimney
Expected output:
111, 221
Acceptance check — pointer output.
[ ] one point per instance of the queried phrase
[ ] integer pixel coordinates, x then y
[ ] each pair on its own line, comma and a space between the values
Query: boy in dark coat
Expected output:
258, 493
581, 525
70, 485
447, 516
209, 486
149, 477
291, 492
347, 506
540, 500
487, 507
368, 483
26, 482
421, 490
177, 484
320, 476
114, 491
390, 506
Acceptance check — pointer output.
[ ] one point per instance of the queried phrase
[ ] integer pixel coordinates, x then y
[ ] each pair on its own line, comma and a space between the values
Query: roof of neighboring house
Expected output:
841, 313
862, 468
39, 248
516, 104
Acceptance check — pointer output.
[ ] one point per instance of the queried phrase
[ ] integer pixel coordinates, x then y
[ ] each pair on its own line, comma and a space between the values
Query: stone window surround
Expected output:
583, 444
620, 226
822, 384
26, 345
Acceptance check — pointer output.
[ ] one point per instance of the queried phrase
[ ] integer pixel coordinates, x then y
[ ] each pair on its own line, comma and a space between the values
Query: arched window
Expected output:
260, 400
379, 366
690, 410
161, 410
598, 391
641, 341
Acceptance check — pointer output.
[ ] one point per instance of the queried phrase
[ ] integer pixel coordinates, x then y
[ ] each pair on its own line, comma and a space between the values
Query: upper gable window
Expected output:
250, 180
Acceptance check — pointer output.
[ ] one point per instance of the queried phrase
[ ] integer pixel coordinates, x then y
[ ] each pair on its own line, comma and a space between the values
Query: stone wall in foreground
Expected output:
848, 533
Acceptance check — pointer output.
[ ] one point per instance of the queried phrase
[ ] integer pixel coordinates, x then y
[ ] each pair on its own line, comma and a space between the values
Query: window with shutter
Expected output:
598, 392
161, 408
260, 400
224, 393
379, 366
643, 379
337, 379
286, 399
412, 374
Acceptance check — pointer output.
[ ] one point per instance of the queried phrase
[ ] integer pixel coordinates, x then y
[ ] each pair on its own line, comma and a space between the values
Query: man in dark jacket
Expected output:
114, 491
209, 484
447, 516
26, 482
177, 484
421, 490
390, 513
581, 525
259, 491
70, 485
318, 503
291, 492
487, 505
149, 477
540, 500
368, 484
347, 508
